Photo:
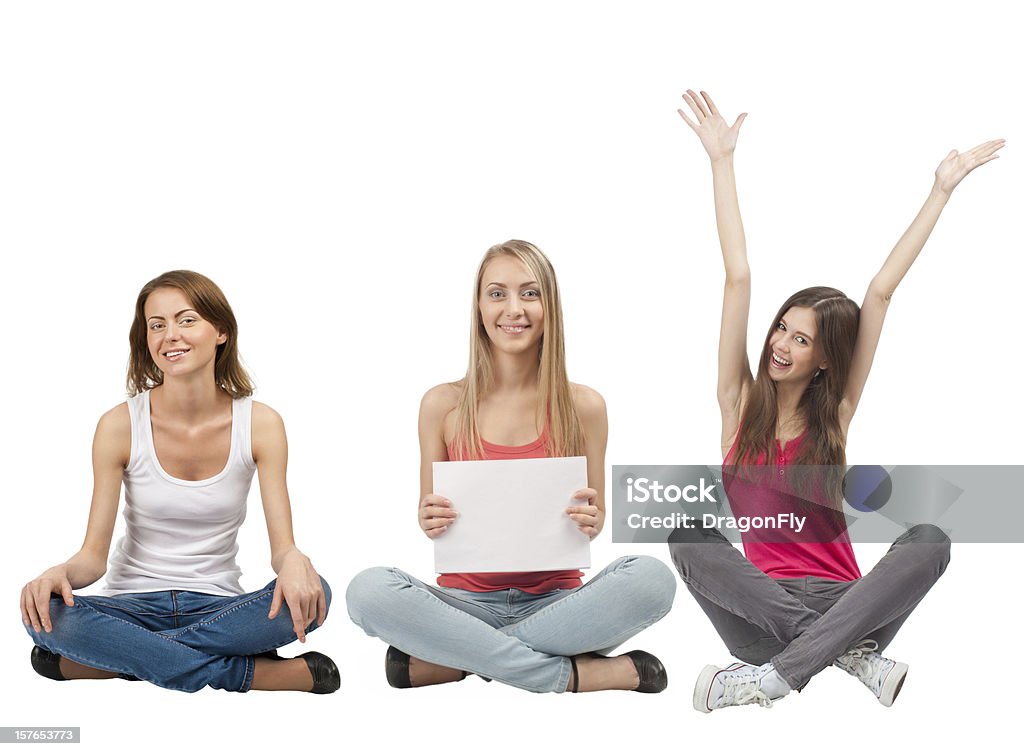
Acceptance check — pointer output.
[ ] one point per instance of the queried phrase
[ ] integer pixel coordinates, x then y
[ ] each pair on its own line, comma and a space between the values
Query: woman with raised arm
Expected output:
795, 605
186, 445
539, 631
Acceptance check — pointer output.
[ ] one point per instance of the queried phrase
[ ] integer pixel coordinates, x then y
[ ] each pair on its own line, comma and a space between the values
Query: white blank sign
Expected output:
511, 515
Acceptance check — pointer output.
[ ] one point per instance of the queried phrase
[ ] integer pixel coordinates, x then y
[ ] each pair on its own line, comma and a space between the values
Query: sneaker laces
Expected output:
864, 662
739, 692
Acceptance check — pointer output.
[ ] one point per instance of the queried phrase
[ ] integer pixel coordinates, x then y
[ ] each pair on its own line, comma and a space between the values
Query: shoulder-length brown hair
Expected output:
837, 318
209, 301
556, 409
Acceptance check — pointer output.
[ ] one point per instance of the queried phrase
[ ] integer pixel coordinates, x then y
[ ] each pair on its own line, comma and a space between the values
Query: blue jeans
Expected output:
180, 640
518, 638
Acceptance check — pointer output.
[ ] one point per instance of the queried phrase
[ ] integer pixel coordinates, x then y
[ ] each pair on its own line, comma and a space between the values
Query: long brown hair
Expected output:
837, 318
556, 409
211, 304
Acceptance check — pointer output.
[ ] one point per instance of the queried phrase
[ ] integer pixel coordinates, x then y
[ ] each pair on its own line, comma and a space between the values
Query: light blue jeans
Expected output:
180, 640
518, 638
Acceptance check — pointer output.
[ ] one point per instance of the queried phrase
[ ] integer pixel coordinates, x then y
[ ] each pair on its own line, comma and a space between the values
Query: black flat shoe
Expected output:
46, 663
396, 669
653, 676
326, 677
652, 673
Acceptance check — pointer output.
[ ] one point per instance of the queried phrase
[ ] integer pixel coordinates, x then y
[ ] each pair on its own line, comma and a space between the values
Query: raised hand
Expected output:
956, 165
717, 136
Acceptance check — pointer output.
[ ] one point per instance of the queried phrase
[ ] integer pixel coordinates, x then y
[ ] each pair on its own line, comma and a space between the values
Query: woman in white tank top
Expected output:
186, 445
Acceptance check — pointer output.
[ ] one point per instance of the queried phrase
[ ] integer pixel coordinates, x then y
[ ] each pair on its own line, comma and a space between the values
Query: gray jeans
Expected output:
803, 625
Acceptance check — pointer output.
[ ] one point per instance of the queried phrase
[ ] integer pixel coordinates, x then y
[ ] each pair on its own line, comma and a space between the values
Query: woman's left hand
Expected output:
588, 518
299, 586
956, 165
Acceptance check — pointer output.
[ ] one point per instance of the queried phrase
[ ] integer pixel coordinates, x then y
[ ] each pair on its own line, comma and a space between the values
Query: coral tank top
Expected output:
529, 582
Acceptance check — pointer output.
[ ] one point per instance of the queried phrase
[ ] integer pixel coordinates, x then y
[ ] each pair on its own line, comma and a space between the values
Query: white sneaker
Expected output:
736, 685
884, 677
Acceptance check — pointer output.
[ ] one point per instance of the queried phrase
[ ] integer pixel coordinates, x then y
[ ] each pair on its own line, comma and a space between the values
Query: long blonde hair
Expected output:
556, 410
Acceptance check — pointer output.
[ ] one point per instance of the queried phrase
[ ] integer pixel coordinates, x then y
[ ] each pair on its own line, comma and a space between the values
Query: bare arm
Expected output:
950, 172
298, 583
435, 513
111, 448
594, 415
719, 140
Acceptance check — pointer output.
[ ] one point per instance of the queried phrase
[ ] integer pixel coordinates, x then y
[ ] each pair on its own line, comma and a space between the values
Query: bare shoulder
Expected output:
115, 420
440, 400
589, 403
113, 439
265, 417
268, 436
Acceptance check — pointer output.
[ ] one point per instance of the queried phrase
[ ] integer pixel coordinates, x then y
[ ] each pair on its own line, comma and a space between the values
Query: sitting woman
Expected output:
795, 606
186, 445
539, 631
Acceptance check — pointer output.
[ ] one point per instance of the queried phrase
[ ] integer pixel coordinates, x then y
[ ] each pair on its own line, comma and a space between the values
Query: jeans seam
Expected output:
220, 615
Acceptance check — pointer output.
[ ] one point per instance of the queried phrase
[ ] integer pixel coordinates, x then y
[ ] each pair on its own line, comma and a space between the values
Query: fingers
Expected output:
702, 107
689, 123
436, 506
28, 609
987, 148
33, 615
65, 591
584, 515
275, 602
42, 597
698, 108
436, 514
444, 513
298, 621
321, 609
981, 154
587, 518
435, 520
709, 101
739, 122
435, 500
985, 152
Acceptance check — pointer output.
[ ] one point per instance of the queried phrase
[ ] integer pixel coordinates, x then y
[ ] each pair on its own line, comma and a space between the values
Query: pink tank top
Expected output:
529, 582
822, 548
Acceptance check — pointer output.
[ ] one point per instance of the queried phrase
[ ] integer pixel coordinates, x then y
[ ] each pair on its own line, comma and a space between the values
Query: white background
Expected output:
339, 170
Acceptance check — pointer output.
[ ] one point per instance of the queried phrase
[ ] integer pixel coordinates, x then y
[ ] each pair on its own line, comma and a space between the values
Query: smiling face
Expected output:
511, 308
793, 353
180, 341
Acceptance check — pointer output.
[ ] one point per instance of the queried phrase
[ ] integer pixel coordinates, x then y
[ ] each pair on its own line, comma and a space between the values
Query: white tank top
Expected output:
181, 534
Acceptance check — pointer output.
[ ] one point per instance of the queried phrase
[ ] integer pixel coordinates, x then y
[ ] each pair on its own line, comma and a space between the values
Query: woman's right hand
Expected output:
436, 514
35, 597
718, 137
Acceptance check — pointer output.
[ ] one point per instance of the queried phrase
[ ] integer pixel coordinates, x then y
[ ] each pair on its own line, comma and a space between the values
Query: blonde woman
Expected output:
539, 631
186, 445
